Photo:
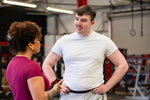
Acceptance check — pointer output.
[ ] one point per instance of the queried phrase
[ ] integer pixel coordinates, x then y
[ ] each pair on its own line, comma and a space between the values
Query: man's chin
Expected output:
80, 33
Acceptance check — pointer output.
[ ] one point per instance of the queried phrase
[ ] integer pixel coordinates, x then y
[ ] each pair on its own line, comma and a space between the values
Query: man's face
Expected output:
83, 24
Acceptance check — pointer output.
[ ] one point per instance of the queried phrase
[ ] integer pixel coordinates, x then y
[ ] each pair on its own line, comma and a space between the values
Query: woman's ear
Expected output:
30, 45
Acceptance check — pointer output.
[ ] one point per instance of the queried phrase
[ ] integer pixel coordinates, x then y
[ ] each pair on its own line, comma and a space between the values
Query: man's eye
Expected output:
76, 19
84, 20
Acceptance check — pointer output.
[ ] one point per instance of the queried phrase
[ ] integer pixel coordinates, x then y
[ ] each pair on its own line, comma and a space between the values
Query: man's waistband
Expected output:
73, 91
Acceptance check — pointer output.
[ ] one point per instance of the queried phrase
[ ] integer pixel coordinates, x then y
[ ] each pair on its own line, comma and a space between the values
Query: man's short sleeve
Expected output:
57, 48
110, 47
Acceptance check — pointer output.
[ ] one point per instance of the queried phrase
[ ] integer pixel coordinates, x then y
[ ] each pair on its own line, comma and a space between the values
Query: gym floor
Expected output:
118, 95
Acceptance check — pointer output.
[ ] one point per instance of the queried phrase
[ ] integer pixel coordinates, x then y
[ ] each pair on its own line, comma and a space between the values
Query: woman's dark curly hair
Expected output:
20, 34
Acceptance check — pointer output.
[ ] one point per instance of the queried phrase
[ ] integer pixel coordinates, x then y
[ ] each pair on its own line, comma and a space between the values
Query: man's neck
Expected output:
85, 34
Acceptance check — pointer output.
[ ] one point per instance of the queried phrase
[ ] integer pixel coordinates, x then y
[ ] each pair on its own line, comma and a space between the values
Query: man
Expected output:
83, 53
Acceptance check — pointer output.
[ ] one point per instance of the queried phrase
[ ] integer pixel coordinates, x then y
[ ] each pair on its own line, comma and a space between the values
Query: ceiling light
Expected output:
20, 3
60, 10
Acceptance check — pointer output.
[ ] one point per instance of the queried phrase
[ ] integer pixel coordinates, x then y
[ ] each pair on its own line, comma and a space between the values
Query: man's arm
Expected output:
120, 62
122, 67
48, 63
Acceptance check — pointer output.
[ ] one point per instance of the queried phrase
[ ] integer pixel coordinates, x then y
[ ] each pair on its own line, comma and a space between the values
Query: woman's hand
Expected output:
57, 87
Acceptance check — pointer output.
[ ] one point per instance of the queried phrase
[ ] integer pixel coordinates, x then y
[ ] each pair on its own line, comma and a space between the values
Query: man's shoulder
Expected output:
68, 36
99, 35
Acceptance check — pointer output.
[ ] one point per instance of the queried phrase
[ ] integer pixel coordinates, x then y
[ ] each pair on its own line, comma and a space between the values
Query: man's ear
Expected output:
92, 22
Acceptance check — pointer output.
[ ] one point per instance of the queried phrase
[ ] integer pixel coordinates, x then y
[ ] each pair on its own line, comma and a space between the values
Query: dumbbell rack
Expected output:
139, 91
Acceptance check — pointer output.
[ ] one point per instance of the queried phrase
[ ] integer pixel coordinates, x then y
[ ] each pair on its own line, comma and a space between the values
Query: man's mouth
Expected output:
79, 28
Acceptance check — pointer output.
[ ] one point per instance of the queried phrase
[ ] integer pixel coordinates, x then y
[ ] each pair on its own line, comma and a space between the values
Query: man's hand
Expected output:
101, 89
64, 89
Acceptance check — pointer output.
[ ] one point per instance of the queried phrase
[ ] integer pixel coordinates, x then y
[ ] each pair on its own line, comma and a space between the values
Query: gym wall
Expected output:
118, 29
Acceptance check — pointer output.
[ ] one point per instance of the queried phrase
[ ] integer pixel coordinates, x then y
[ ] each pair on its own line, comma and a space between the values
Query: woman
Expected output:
25, 77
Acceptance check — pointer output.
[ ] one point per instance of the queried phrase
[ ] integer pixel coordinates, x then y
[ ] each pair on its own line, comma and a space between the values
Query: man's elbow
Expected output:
126, 67
43, 66
46, 66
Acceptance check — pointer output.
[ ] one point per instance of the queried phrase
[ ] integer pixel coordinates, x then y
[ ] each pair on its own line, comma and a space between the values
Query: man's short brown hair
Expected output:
86, 10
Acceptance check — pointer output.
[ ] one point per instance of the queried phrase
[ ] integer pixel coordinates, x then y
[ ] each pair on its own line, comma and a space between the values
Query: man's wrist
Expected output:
53, 82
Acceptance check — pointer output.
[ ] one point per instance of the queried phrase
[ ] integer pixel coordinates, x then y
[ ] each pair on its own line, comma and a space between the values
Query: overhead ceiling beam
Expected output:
20, 3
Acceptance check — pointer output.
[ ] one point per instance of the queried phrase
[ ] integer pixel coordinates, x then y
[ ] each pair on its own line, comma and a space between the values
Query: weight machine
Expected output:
141, 89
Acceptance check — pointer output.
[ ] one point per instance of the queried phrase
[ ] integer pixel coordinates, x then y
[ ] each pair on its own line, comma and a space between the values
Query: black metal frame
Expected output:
0, 70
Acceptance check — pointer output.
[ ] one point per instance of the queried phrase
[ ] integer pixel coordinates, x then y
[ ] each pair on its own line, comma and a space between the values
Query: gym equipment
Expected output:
132, 31
141, 90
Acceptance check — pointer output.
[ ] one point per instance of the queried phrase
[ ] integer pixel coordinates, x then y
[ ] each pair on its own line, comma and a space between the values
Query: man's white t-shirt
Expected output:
83, 58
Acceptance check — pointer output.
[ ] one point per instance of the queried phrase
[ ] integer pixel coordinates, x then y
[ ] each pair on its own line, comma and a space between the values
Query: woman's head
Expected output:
20, 34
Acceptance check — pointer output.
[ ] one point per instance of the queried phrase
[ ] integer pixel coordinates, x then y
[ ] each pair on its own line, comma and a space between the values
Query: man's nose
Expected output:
79, 22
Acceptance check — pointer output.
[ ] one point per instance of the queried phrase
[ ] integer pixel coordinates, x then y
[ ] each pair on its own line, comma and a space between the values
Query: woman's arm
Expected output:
37, 89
